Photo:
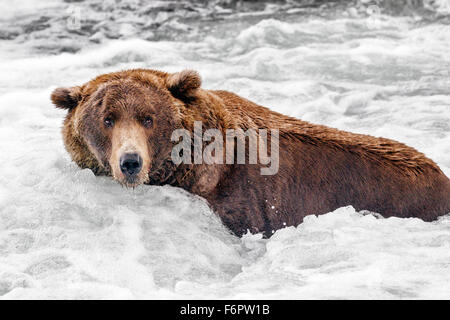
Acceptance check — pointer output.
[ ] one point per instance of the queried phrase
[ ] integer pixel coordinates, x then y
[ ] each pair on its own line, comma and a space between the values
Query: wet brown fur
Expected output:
321, 168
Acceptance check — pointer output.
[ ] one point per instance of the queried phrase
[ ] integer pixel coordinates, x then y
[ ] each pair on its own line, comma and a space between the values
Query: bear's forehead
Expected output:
128, 94
127, 87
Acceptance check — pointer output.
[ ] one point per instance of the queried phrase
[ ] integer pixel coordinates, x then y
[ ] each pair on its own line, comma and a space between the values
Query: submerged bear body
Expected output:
120, 124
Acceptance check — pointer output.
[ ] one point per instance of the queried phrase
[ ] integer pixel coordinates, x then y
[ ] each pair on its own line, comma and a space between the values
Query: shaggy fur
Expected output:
320, 168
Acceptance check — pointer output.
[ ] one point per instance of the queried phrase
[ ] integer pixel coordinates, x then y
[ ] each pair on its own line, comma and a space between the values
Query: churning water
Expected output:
65, 233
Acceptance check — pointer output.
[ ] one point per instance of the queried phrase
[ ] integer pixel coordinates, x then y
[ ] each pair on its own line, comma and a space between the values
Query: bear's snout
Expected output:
129, 158
130, 164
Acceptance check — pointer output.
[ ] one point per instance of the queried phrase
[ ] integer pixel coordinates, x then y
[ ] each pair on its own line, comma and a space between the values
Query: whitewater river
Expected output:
65, 233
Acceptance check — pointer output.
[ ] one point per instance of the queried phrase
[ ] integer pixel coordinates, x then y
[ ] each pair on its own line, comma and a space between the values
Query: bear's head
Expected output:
120, 124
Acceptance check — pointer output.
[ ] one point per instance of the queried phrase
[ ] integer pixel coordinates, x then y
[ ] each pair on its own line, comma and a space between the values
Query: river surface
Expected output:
65, 233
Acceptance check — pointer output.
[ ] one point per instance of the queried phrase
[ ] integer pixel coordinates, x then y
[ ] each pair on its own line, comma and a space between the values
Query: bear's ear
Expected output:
184, 85
66, 98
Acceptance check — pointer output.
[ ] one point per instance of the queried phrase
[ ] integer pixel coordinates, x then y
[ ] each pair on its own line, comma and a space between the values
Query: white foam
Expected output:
443, 6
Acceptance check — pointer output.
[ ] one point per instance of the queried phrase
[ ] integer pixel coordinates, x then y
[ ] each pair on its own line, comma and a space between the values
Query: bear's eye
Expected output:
109, 122
147, 122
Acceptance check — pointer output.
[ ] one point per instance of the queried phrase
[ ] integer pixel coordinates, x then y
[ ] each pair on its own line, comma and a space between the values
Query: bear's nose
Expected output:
130, 164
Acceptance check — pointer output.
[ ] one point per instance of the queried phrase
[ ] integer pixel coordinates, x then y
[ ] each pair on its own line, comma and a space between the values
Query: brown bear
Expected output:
120, 124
